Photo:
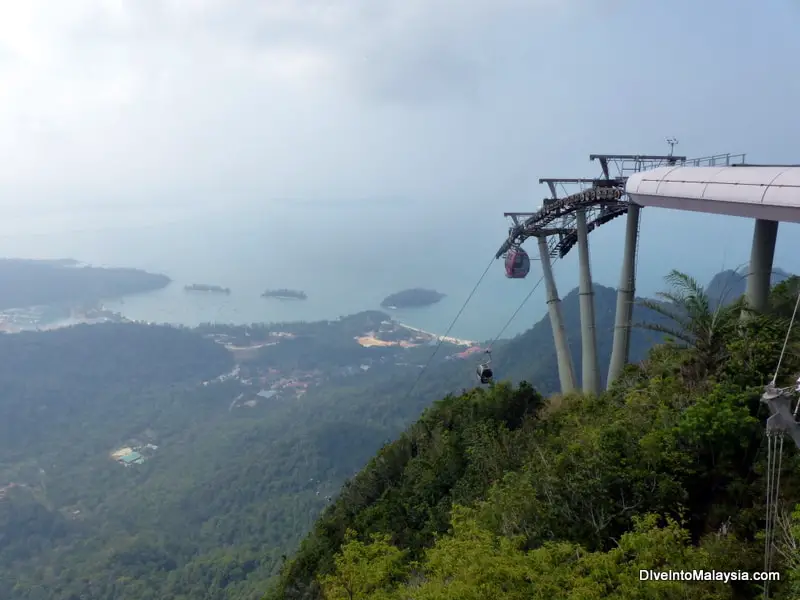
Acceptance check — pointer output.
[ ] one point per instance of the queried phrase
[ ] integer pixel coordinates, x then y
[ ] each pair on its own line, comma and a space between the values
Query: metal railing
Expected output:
718, 160
635, 165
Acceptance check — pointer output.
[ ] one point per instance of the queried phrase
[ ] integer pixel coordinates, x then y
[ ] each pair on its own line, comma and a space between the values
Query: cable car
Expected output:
518, 263
484, 370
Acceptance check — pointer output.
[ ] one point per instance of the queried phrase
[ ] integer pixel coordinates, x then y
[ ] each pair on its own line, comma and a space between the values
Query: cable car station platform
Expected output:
722, 184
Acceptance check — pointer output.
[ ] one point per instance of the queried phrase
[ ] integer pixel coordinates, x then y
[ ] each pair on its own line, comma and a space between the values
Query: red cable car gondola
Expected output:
518, 263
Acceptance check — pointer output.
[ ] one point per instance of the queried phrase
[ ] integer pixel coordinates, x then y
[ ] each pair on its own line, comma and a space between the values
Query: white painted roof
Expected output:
771, 193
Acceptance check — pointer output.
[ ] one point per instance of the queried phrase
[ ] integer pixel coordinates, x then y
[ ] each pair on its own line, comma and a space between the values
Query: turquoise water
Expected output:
345, 264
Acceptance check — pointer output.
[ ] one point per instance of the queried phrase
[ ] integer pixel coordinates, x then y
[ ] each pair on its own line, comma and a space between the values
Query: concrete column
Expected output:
590, 375
566, 371
759, 277
625, 297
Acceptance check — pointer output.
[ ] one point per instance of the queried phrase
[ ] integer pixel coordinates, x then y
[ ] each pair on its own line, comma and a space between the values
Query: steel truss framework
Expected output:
603, 199
556, 226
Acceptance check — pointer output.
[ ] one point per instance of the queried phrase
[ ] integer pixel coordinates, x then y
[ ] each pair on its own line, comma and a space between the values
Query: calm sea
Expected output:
349, 255
347, 258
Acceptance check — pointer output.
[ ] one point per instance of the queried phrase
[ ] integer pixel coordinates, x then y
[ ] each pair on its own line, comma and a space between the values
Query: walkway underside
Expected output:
766, 193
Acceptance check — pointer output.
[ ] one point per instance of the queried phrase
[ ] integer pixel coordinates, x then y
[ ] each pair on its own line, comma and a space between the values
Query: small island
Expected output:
412, 298
202, 287
284, 294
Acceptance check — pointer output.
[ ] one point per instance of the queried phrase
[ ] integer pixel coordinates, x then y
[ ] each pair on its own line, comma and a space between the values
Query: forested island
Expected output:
412, 298
285, 294
25, 282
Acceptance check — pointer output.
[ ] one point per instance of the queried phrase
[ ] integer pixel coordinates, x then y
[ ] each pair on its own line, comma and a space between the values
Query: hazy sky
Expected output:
454, 108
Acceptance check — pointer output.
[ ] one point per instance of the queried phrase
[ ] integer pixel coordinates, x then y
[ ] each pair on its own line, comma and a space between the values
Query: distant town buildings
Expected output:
294, 383
134, 458
129, 455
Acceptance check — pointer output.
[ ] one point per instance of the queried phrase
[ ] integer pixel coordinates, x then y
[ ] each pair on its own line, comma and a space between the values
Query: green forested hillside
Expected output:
47, 380
237, 479
503, 494
230, 486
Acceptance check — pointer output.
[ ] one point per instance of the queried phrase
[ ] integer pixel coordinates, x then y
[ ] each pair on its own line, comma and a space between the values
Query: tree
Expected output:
699, 326
364, 571
472, 563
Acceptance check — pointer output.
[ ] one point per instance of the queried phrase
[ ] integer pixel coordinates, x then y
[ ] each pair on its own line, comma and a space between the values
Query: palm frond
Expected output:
684, 283
665, 310
670, 331
671, 297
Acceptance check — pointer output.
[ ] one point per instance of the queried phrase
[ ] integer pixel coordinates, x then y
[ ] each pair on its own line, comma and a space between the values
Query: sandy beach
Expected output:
448, 339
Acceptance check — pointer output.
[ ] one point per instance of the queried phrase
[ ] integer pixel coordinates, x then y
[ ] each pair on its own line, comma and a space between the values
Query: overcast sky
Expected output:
450, 106
441, 98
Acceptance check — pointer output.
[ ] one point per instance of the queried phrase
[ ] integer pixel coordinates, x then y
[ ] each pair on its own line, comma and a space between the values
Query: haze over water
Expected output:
345, 268
113, 113
349, 255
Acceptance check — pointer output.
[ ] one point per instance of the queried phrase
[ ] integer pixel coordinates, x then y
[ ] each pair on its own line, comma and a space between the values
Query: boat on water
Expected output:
202, 287
285, 294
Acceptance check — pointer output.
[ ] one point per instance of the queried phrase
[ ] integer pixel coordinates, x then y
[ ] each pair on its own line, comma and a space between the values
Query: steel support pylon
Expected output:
625, 297
759, 276
590, 375
566, 371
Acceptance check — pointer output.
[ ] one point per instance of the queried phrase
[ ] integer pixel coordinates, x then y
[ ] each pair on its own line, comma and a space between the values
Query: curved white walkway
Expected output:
766, 193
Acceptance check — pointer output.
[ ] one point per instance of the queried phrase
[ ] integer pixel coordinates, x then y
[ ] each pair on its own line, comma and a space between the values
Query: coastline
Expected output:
449, 339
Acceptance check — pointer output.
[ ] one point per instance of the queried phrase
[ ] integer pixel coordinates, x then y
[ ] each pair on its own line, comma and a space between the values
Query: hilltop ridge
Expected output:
516, 496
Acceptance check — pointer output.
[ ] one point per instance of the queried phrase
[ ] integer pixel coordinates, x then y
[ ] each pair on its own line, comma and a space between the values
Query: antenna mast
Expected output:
672, 142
